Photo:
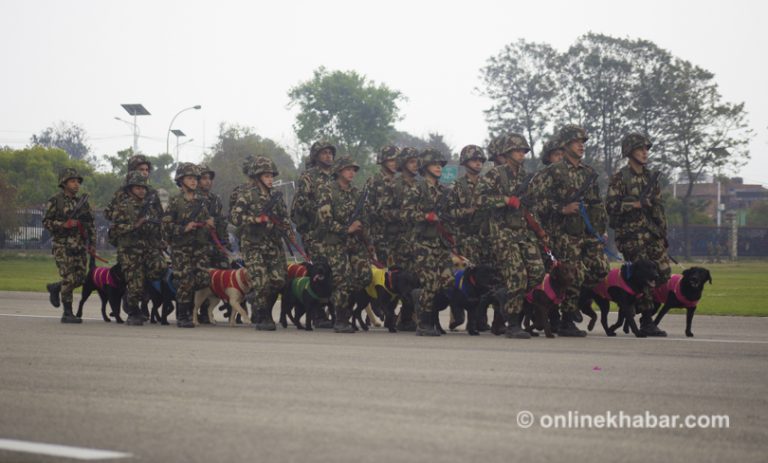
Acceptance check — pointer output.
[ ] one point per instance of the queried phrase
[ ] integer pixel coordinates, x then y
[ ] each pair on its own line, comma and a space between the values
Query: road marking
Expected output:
63, 451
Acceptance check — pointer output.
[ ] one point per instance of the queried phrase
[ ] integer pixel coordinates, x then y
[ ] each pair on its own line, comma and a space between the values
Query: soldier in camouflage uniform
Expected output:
135, 226
246, 167
261, 243
185, 228
342, 238
408, 166
555, 197
379, 186
430, 253
551, 153
305, 204
69, 219
636, 212
514, 245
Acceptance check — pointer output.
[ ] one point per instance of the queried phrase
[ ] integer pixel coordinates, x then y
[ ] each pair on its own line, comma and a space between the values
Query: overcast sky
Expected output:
79, 60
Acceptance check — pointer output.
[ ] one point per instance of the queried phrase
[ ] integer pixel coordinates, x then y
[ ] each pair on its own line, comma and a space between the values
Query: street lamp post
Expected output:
168, 135
135, 110
178, 134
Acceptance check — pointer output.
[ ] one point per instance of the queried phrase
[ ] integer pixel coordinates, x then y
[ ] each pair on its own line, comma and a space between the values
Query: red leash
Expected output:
91, 250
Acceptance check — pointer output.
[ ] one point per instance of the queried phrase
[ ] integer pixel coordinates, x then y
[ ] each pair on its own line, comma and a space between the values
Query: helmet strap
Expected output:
471, 170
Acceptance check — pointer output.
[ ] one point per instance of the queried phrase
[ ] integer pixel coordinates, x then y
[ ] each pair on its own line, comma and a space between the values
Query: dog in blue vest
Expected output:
472, 288
160, 293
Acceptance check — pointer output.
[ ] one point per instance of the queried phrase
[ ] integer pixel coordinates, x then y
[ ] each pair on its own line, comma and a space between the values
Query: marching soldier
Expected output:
379, 188
422, 209
636, 212
135, 227
569, 195
513, 245
342, 236
305, 204
185, 228
69, 219
259, 212
463, 210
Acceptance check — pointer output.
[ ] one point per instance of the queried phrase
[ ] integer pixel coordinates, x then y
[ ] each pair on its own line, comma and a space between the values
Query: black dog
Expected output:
109, 282
472, 287
623, 286
161, 293
305, 292
542, 302
681, 292
387, 288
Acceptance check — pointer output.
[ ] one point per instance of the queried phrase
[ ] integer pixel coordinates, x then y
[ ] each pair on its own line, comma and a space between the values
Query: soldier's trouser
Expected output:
311, 245
586, 254
402, 252
138, 265
190, 270
359, 266
643, 246
338, 259
71, 261
383, 248
471, 247
266, 265
519, 261
434, 265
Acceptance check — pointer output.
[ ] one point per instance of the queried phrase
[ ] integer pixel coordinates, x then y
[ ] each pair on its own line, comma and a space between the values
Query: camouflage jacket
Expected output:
181, 212
156, 210
392, 207
462, 211
125, 213
216, 210
58, 209
625, 188
336, 207
420, 200
380, 190
305, 200
247, 207
557, 186
492, 192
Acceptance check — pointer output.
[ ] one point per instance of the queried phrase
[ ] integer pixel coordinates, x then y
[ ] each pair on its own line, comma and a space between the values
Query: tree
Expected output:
70, 137
347, 109
8, 217
433, 140
520, 81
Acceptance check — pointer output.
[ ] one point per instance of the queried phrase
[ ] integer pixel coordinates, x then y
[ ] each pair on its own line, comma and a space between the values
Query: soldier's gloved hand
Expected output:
355, 227
431, 217
190, 226
71, 223
513, 201
209, 222
262, 218
571, 208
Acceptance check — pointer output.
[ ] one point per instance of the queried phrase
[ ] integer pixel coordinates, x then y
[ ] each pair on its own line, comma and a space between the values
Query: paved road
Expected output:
234, 394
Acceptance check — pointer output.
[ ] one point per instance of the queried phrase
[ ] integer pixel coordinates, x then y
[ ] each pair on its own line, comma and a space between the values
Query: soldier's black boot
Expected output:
322, 321
184, 315
568, 328
266, 323
406, 322
427, 324
135, 317
53, 293
648, 328
68, 316
514, 328
342, 322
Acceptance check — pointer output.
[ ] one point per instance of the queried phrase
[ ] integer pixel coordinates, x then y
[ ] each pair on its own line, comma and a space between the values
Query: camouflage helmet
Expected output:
136, 160
342, 163
68, 173
317, 147
406, 154
551, 145
431, 156
186, 169
387, 153
470, 152
632, 141
262, 165
505, 143
571, 132
204, 169
246, 166
136, 179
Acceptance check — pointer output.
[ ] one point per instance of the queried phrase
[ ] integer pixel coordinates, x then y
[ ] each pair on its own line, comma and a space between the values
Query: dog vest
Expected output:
296, 271
546, 286
614, 280
223, 279
300, 285
379, 278
460, 283
673, 286
168, 278
102, 276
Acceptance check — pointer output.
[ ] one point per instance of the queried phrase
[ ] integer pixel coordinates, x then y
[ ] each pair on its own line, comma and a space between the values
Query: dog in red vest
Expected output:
681, 292
543, 301
226, 285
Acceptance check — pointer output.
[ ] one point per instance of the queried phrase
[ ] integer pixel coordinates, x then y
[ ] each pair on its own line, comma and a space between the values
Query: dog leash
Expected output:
91, 250
591, 230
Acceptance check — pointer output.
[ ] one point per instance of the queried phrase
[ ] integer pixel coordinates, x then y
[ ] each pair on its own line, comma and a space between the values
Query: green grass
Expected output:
738, 288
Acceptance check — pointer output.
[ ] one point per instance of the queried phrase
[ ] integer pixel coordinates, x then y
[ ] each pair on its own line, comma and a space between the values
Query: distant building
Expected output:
734, 194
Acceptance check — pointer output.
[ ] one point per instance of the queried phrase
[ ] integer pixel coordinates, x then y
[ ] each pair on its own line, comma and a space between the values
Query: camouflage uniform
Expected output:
571, 240
69, 246
219, 257
514, 246
136, 254
305, 203
261, 244
429, 253
189, 250
546, 218
246, 167
379, 187
404, 185
470, 224
640, 233
345, 253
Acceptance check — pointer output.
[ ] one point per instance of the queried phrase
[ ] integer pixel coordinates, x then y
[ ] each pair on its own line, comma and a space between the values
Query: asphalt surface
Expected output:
216, 393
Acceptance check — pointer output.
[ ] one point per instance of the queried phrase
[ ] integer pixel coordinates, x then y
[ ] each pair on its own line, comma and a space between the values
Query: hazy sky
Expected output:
79, 60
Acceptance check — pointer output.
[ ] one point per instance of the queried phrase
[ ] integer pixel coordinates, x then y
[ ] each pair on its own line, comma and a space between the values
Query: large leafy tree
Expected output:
68, 136
346, 108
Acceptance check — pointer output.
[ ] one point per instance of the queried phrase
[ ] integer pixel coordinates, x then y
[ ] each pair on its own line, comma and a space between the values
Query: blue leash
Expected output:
592, 231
